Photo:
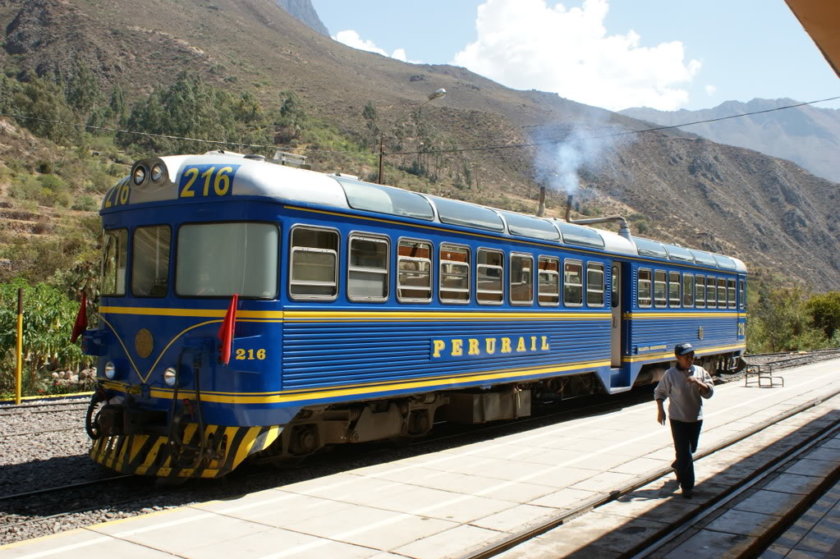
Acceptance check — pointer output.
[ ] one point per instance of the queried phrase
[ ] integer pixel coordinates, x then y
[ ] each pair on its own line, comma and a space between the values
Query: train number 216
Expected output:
250, 354
206, 181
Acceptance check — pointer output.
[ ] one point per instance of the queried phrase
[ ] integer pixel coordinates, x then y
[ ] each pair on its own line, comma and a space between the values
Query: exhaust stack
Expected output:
623, 228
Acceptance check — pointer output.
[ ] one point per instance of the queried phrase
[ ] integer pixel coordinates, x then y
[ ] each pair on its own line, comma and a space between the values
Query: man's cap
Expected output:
683, 349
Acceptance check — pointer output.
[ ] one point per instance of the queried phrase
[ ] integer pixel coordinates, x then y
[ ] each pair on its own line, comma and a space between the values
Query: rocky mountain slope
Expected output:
807, 135
491, 144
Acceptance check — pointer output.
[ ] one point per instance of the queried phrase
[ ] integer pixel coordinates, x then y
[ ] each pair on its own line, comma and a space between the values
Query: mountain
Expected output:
303, 11
482, 142
807, 135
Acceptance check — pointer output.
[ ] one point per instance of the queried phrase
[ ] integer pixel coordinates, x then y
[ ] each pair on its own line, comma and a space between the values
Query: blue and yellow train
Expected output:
250, 308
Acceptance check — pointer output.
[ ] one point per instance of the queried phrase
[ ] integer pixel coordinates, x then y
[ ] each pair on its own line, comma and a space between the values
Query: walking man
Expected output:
686, 385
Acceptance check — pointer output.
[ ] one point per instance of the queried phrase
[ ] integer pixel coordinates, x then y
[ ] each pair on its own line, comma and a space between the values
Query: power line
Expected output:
614, 134
435, 151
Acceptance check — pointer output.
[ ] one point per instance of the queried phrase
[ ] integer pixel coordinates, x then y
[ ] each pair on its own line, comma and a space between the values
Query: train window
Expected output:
742, 294
644, 289
489, 277
594, 284
674, 289
573, 283
454, 273
150, 261
549, 281
700, 292
521, 279
367, 269
414, 277
222, 259
615, 294
721, 293
711, 294
688, 290
730, 294
313, 264
660, 289
114, 262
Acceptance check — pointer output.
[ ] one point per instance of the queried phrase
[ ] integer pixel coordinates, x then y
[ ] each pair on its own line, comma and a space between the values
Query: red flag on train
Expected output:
81, 320
226, 331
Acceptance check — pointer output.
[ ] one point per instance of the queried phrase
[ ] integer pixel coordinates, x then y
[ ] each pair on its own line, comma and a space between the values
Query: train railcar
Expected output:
253, 309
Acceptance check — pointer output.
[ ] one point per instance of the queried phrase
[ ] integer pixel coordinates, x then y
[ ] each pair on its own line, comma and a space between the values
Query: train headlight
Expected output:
157, 172
169, 376
110, 370
138, 174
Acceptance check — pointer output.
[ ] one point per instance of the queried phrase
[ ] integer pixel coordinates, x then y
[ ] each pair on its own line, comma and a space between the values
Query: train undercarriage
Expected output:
175, 445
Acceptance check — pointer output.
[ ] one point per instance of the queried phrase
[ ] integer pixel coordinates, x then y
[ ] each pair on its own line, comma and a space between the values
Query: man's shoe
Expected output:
688, 493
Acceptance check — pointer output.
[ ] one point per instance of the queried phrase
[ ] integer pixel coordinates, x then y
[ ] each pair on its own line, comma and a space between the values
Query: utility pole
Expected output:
381, 156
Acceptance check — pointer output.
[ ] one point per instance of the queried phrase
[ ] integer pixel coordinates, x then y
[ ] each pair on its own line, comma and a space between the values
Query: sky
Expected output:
614, 54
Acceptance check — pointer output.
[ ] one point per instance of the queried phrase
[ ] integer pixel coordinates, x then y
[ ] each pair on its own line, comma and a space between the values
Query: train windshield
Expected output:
222, 259
114, 262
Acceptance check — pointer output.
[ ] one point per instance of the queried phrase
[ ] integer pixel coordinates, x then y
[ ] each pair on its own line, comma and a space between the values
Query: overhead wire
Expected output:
521, 145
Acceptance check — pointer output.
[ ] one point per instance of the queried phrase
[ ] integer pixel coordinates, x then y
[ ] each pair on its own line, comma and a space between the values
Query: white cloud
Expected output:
526, 44
352, 39
710, 89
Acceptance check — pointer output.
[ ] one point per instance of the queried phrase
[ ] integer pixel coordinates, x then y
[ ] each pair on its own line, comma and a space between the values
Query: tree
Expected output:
82, 91
291, 118
191, 116
370, 116
44, 111
824, 311
781, 321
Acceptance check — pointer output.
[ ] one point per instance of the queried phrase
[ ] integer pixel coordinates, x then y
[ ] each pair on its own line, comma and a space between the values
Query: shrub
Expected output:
48, 317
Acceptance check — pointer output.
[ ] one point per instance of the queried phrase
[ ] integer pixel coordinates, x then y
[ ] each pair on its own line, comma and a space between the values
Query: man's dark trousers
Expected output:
686, 435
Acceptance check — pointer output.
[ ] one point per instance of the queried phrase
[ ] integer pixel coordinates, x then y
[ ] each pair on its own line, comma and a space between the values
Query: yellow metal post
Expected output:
19, 350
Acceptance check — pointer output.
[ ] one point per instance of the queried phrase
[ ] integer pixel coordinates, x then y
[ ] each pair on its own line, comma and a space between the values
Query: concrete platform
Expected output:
455, 502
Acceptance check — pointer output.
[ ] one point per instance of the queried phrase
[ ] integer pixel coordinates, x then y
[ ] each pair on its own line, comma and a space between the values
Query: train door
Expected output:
616, 302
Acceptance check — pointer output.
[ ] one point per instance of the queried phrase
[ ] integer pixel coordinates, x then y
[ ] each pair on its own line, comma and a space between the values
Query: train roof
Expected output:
167, 179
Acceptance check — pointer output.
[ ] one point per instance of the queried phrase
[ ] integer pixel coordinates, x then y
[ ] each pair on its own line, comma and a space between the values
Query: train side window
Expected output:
454, 273
700, 292
150, 261
414, 271
594, 284
114, 262
549, 281
643, 288
489, 277
521, 279
573, 283
313, 264
367, 268
688, 290
742, 294
660, 289
730, 294
674, 289
711, 294
721, 293
615, 294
